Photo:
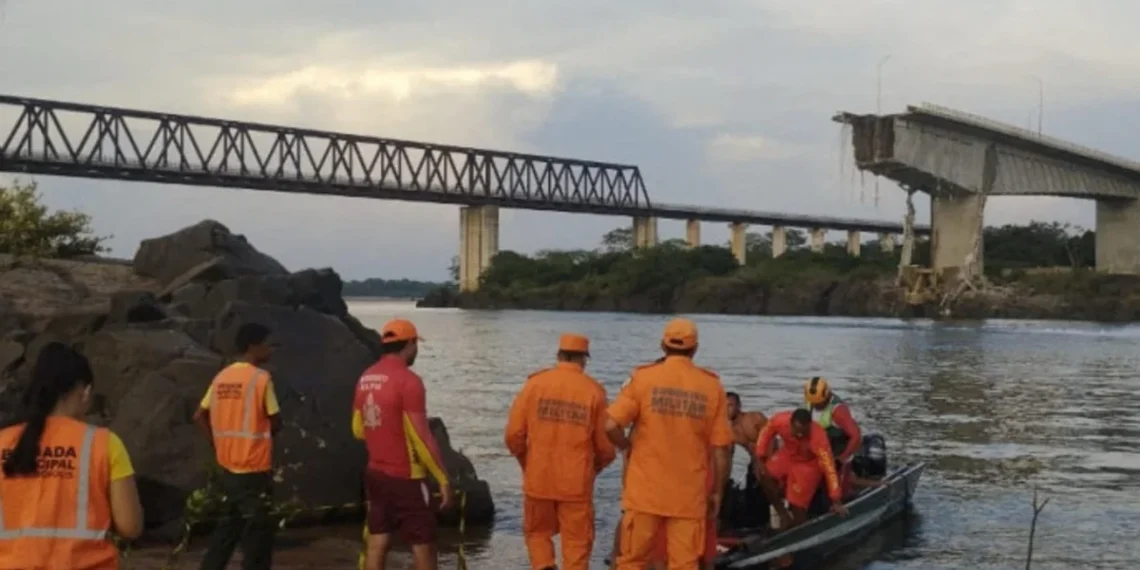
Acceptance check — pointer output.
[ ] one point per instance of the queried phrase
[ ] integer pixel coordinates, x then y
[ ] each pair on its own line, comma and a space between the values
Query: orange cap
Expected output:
574, 343
680, 334
399, 330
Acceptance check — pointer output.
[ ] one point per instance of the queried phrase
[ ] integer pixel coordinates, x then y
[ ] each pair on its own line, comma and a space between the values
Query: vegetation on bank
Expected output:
29, 229
616, 268
391, 288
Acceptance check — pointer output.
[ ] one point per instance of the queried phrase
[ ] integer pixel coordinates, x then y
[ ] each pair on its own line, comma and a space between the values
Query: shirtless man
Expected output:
746, 426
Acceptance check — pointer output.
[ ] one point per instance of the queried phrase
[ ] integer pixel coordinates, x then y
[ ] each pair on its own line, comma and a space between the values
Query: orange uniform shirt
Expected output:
678, 410
59, 517
815, 447
557, 427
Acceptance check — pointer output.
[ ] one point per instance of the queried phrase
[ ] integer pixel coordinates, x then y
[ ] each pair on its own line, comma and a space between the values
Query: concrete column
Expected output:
739, 241
478, 243
644, 231
817, 237
887, 242
854, 242
954, 225
779, 241
693, 233
1118, 236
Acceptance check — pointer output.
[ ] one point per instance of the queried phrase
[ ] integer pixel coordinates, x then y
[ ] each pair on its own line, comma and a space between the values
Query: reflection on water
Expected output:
996, 409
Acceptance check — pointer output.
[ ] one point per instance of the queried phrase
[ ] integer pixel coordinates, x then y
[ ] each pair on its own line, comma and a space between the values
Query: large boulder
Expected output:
157, 333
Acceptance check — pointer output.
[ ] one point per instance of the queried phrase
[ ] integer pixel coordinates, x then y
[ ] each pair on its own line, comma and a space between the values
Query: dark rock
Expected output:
170, 257
11, 355
211, 271
156, 346
257, 289
320, 290
480, 507
135, 307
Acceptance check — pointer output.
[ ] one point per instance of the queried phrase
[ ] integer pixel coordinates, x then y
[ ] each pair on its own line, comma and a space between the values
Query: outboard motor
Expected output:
871, 460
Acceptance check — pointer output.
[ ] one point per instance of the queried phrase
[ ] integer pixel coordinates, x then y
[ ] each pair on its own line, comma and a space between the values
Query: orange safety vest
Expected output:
238, 420
59, 517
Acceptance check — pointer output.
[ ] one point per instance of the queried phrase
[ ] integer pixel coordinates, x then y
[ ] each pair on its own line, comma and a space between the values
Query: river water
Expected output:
996, 409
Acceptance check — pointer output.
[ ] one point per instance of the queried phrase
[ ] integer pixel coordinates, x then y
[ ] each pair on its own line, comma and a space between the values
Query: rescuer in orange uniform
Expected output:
556, 430
389, 413
834, 416
241, 415
679, 418
797, 466
65, 483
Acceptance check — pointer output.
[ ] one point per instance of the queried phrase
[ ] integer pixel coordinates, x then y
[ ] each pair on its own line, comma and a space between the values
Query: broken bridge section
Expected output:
960, 159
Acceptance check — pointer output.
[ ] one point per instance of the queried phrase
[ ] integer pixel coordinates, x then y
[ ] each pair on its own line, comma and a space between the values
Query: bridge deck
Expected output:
58, 138
934, 148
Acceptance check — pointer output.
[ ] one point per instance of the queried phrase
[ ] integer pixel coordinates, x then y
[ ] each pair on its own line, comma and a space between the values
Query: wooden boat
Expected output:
826, 535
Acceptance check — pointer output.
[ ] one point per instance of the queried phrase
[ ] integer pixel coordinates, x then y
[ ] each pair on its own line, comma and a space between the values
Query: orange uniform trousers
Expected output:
641, 536
573, 520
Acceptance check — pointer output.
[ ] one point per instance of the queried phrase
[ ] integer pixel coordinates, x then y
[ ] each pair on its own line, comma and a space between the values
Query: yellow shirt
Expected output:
121, 467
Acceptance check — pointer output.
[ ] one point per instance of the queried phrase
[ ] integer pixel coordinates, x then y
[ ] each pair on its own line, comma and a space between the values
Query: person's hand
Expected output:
445, 497
759, 469
839, 508
714, 505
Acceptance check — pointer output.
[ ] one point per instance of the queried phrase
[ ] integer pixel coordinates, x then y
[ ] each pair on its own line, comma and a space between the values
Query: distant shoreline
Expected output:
366, 298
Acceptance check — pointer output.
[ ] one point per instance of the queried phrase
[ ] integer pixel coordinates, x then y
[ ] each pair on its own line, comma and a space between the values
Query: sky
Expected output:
719, 102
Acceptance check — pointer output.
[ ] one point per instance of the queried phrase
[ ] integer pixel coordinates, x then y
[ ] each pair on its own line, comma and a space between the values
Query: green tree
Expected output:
618, 239
453, 269
27, 228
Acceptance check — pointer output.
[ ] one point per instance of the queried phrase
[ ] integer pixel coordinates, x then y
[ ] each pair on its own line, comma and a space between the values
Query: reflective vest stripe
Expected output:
825, 415
80, 530
249, 400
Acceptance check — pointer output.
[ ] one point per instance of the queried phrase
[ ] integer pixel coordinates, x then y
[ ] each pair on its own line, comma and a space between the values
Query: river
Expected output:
995, 408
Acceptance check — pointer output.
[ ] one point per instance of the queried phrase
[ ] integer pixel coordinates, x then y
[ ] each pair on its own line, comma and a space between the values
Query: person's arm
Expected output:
821, 447
604, 451
623, 412
357, 425
202, 415
272, 408
841, 417
763, 449
515, 433
126, 508
419, 432
721, 439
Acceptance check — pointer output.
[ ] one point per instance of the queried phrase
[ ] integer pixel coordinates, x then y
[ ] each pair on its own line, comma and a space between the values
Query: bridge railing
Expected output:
70, 139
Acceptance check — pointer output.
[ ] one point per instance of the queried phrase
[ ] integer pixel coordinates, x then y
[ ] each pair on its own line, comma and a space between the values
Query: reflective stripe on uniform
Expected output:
248, 403
80, 530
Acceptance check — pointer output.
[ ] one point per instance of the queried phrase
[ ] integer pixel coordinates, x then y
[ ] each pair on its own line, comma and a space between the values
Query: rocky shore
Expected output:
158, 328
1047, 295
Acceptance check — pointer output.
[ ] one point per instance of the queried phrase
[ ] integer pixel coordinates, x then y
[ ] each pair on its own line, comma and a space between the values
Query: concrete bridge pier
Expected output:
955, 223
887, 242
779, 241
693, 233
817, 237
854, 242
739, 241
478, 243
644, 232
1118, 236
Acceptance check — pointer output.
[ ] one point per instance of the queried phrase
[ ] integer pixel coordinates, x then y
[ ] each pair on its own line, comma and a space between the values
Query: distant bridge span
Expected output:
60, 138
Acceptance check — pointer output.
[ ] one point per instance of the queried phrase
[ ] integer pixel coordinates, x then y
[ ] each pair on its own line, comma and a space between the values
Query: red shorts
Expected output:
800, 479
400, 506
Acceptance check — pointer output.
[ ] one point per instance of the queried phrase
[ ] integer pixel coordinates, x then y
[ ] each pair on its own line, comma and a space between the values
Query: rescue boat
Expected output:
827, 535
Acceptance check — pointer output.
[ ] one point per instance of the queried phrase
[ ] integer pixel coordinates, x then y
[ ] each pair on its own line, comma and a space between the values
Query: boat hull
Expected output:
822, 537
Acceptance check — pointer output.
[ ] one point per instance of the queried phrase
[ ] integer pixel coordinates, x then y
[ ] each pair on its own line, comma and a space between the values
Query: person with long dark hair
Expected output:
65, 483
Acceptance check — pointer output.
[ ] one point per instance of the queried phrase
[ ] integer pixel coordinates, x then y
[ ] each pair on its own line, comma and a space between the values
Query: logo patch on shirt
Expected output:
371, 413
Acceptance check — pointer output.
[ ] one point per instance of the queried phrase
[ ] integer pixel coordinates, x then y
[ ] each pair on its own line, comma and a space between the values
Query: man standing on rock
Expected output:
241, 415
389, 413
556, 431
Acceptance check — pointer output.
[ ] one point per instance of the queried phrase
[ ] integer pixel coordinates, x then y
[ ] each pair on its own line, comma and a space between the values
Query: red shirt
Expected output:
815, 447
390, 404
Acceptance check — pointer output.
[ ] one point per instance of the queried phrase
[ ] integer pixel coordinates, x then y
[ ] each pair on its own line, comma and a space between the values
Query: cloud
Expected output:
721, 102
